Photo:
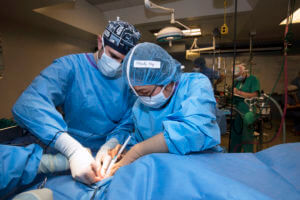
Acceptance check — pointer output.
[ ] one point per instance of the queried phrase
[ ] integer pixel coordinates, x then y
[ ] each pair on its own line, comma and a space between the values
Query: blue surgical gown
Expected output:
188, 120
96, 108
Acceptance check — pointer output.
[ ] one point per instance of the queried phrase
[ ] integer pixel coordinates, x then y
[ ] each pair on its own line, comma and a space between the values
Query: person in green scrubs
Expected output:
245, 86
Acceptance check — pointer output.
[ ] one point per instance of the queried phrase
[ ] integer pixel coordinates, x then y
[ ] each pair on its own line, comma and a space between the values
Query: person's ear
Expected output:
170, 85
169, 88
99, 39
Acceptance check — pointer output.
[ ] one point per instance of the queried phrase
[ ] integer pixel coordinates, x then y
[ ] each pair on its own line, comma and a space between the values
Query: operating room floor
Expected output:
290, 137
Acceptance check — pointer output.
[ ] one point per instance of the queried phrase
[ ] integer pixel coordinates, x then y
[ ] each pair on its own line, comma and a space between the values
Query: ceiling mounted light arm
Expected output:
194, 45
213, 47
173, 21
194, 51
150, 5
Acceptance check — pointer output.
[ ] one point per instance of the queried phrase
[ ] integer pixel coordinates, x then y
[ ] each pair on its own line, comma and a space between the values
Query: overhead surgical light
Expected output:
187, 33
295, 18
168, 33
192, 32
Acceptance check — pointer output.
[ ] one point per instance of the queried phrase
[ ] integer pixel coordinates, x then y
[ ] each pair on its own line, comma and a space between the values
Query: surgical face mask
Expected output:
239, 78
156, 101
107, 65
237, 71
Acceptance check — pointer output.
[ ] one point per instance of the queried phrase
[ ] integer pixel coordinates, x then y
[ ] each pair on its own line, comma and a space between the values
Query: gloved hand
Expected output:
155, 144
104, 157
82, 163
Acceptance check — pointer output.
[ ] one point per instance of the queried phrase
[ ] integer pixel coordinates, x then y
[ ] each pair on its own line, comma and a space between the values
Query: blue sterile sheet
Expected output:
18, 166
64, 187
270, 174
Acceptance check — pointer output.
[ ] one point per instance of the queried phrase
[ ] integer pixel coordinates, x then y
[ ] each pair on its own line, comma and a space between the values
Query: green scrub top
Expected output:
242, 134
250, 84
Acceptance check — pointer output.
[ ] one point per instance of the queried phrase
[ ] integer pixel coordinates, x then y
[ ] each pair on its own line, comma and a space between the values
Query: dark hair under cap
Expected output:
121, 36
200, 62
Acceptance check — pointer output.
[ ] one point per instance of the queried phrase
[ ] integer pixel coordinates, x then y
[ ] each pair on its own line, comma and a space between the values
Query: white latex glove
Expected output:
103, 158
81, 160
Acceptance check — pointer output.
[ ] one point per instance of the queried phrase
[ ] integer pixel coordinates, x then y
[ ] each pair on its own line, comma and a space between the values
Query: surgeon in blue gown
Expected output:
174, 112
94, 98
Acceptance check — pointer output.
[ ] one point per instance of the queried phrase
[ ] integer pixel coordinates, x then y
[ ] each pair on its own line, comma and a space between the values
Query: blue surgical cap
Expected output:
121, 36
150, 65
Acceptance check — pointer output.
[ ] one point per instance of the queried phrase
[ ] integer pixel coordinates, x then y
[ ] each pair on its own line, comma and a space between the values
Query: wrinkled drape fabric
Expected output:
19, 166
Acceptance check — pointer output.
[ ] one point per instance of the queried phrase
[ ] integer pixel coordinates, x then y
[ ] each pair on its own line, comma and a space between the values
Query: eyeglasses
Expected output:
146, 94
153, 90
